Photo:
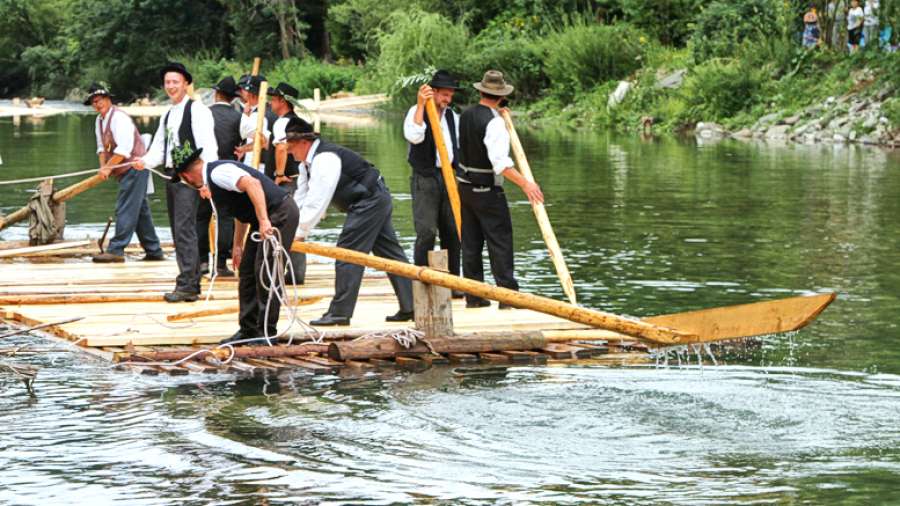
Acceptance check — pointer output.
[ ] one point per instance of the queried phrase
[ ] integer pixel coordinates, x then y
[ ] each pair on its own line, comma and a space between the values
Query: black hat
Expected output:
443, 79
227, 87
97, 89
287, 92
182, 157
299, 129
173, 66
253, 83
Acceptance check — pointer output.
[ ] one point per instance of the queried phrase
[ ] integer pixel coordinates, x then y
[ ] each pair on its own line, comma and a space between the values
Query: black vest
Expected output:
359, 178
239, 204
291, 167
185, 132
227, 129
472, 151
422, 156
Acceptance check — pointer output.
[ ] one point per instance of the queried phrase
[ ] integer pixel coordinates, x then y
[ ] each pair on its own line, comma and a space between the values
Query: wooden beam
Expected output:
432, 305
7, 253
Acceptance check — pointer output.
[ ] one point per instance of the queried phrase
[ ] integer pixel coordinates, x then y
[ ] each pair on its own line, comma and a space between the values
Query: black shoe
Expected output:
456, 294
204, 268
328, 320
504, 305
477, 303
154, 257
178, 296
224, 272
401, 316
108, 258
238, 336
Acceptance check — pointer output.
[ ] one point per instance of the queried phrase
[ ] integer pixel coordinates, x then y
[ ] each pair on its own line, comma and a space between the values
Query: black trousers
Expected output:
368, 229
253, 296
298, 260
226, 233
181, 204
486, 219
433, 218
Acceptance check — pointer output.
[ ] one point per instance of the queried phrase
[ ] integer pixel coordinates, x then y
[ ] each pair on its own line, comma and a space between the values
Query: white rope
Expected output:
407, 338
61, 176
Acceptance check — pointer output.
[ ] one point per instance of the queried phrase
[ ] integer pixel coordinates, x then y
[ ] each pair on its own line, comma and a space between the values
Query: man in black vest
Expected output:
228, 136
333, 174
256, 202
432, 213
187, 123
280, 165
484, 163
249, 90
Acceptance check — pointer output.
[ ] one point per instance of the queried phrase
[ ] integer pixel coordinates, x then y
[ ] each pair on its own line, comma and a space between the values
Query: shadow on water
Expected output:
647, 227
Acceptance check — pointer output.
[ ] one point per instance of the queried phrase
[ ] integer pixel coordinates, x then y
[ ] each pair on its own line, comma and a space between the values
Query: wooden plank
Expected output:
593, 349
309, 366
561, 351
462, 358
494, 358
435, 359
359, 364
8, 253
412, 364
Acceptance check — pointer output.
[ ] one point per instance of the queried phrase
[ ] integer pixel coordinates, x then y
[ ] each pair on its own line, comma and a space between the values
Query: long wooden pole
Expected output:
540, 212
593, 318
255, 70
58, 196
260, 119
446, 165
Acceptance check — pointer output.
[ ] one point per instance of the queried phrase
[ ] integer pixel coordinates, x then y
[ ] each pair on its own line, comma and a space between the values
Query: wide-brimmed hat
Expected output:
227, 87
287, 92
444, 79
182, 157
174, 66
97, 89
252, 84
299, 129
493, 84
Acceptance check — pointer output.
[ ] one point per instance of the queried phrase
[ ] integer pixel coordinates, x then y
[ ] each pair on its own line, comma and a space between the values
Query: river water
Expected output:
647, 227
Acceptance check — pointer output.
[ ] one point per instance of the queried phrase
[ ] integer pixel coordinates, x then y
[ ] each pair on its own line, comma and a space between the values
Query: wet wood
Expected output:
412, 364
473, 343
462, 358
432, 305
494, 358
223, 353
446, 166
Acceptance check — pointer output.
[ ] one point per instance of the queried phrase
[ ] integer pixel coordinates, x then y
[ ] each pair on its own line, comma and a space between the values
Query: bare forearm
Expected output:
515, 176
258, 197
280, 159
240, 231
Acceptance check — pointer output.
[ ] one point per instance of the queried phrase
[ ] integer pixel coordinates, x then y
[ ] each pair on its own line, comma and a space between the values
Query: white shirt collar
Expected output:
181, 104
312, 152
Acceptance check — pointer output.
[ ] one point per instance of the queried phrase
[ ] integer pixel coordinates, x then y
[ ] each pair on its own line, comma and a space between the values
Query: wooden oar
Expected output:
540, 212
446, 166
628, 326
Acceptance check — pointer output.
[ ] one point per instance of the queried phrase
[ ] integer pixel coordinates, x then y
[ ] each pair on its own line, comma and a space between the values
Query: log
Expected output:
58, 197
388, 347
432, 304
446, 167
221, 353
590, 317
540, 212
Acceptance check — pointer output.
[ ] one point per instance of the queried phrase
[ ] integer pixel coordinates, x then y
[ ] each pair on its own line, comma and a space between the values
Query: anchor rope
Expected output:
59, 176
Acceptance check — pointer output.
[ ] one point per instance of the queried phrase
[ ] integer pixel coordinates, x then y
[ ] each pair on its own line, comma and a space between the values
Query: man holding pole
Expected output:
333, 174
432, 213
118, 140
250, 97
187, 123
484, 163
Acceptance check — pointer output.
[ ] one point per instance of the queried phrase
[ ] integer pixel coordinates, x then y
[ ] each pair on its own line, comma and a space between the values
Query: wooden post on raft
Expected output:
623, 325
58, 197
260, 121
446, 167
432, 304
540, 212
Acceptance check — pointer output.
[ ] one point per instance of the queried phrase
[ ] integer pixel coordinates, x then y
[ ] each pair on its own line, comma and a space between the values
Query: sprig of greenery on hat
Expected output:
181, 153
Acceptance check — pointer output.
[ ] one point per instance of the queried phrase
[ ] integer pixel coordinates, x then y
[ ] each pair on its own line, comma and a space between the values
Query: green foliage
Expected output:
719, 89
519, 58
670, 21
26, 24
354, 24
581, 55
308, 74
723, 26
891, 111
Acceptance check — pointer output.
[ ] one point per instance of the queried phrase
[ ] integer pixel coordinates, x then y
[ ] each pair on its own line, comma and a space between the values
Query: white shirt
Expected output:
496, 139
278, 130
871, 13
122, 130
248, 129
415, 134
854, 18
202, 124
226, 176
316, 184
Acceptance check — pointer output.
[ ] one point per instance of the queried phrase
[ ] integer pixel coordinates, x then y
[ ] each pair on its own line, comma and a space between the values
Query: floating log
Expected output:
388, 347
593, 318
294, 350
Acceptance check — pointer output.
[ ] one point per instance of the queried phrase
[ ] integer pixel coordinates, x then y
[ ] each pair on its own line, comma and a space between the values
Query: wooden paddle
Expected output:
540, 212
446, 166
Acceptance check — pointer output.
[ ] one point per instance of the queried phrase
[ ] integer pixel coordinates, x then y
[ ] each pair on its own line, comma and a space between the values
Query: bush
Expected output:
891, 111
669, 21
519, 58
721, 89
582, 56
308, 74
723, 26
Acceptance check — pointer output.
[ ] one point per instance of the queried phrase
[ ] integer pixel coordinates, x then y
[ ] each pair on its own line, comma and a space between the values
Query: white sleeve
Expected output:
324, 175
155, 155
302, 181
496, 139
226, 176
203, 126
123, 134
414, 133
248, 126
278, 130
99, 137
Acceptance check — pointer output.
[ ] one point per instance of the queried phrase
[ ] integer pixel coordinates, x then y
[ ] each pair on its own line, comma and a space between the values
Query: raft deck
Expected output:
126, 319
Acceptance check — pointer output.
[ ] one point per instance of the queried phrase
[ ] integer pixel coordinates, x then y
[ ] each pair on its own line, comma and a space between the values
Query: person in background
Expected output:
811, 29
432, 213
855, 18
228, 136
870, 24
484, 164
250, 98
187, 123
118, 140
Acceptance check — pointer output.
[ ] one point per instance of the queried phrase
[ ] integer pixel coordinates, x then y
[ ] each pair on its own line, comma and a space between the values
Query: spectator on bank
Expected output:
811, 29
870, 24
837, 13
854, 25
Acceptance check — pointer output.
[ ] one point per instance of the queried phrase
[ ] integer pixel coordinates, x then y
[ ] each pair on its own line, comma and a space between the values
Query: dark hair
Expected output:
489, 96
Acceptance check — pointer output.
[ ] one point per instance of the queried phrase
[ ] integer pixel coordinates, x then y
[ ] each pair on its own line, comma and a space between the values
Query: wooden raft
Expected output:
126, 320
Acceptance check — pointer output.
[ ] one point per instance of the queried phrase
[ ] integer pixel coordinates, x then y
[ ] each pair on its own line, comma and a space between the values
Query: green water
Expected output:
646, 227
